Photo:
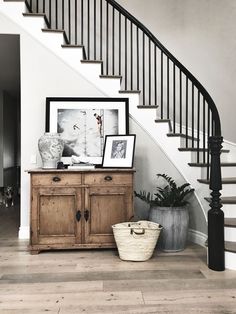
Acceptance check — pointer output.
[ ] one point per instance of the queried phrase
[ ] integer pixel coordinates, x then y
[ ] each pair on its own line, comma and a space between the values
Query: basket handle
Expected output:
139, 232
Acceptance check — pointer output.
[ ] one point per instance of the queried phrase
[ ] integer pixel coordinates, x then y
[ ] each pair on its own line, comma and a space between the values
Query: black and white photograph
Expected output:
84, 123
119, 151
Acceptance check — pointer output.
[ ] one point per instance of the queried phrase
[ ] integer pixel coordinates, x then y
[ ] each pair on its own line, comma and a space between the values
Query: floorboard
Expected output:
97, 281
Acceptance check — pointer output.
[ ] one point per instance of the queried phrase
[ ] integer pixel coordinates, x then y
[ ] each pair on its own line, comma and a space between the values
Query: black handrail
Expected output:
175, 61
128, 49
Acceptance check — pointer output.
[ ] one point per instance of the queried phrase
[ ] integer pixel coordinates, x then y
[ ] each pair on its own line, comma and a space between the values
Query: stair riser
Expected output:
230, 260
228, 190
225, 172
38, 22
190, 143
230, 234
70, 53
194, 158
229, 210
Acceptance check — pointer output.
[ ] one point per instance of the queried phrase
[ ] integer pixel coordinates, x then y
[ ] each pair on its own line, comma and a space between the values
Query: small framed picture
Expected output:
119, 151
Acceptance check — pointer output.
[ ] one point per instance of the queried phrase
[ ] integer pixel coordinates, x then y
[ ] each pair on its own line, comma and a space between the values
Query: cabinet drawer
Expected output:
108, 178
56, 179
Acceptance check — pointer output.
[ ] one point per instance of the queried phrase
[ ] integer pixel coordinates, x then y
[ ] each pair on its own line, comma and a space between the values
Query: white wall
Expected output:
202, 35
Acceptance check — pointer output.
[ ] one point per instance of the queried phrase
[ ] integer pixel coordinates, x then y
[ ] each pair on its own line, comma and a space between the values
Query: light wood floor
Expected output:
97, 281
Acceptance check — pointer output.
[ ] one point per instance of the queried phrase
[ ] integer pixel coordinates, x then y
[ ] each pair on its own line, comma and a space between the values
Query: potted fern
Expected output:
168, 208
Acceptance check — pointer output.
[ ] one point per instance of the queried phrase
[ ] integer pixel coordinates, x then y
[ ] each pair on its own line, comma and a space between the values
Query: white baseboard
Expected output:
230, 260
24, 233
197, 237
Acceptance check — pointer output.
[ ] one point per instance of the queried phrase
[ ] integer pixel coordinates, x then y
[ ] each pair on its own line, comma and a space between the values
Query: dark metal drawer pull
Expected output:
108, 178
56, 179
86, 215
78, 215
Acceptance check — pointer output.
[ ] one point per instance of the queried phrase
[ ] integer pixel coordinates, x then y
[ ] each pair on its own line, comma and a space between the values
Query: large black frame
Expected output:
83, 123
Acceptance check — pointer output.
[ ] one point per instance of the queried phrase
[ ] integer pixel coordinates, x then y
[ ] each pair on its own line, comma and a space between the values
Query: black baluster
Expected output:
107, 39
174, 100
69, 22
94, 29
113, 41
82, 22
126, 52
204, 131
88, 29
180, 100
186, 112
162, 104
56, 13
150, 72
101, 33
137, 58
143, 69
50, 13
119, 43
198, 126
193, 108
155, 74
168, 88
208, 132
63, 13
131, 55
76, 24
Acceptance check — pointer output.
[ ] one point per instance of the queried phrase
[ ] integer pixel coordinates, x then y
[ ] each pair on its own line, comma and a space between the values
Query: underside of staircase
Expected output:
149, 104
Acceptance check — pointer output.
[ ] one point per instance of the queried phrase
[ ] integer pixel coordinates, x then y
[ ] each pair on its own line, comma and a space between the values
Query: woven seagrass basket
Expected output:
136, 240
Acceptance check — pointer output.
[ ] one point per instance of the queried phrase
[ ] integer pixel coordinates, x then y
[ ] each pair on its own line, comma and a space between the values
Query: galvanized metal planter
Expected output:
175, 222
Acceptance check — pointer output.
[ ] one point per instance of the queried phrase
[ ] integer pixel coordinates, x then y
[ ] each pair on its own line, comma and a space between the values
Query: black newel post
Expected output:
216, 254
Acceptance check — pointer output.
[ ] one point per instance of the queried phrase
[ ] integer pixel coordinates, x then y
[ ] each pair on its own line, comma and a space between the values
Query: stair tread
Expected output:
224, 180
194, 149
224, 200
72, 46
50, 30
111, 76
181, 135
34, 14
162, 120
129, 91
223, 164
91, 61
230, 246
147, 107
230, 222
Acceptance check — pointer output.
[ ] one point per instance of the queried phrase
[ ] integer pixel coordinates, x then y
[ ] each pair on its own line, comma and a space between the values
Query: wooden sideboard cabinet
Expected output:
75, 209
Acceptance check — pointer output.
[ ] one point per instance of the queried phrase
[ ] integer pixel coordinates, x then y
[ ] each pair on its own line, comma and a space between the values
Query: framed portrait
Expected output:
119, 151
84, 123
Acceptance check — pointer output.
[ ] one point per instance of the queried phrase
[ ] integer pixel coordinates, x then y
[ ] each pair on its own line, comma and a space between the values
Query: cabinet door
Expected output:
55, 215
104, 207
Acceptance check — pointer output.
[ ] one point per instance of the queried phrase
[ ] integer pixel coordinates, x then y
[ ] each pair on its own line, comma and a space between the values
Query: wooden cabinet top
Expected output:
40, 170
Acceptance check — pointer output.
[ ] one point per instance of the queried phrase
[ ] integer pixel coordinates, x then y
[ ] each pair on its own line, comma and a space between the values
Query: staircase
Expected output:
114, 51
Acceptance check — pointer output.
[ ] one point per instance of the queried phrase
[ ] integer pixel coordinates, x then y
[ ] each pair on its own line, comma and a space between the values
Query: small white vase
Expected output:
50, 146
